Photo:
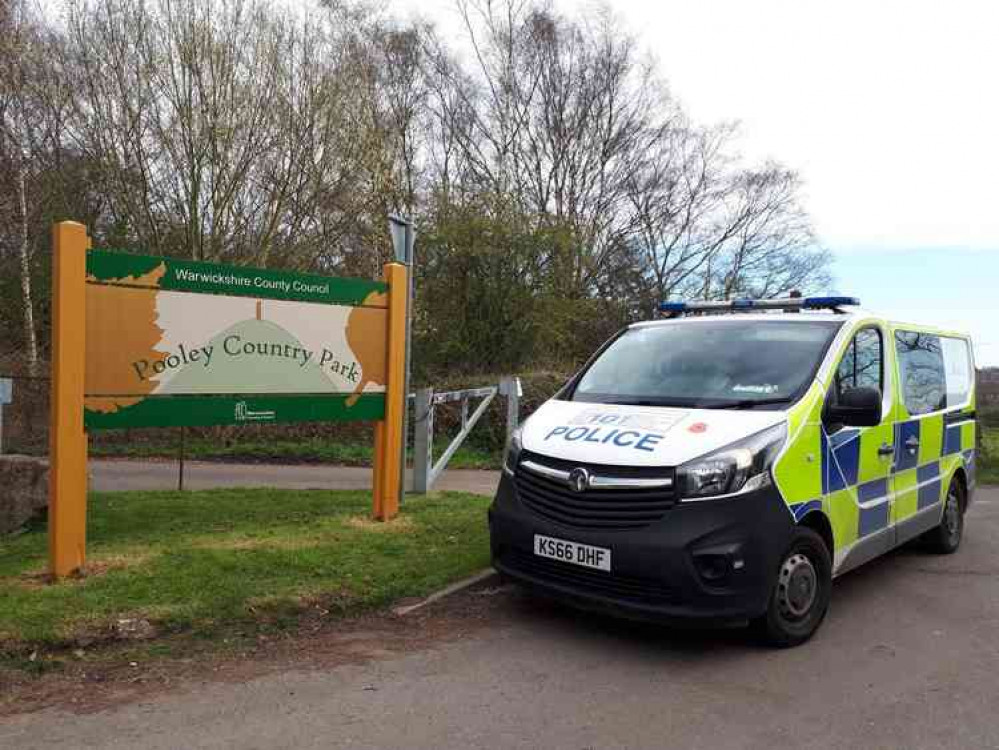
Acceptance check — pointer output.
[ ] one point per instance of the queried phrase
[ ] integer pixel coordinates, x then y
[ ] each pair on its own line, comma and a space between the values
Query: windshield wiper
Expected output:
638, 402
748, 403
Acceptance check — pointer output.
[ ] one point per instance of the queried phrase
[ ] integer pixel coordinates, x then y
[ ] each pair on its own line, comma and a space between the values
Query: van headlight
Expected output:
740, 467
513, 450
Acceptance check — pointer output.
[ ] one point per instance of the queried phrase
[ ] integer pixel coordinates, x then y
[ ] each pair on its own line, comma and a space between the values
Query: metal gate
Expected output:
425, 470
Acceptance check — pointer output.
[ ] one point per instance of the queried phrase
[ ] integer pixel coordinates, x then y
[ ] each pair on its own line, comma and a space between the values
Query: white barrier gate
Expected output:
425, 471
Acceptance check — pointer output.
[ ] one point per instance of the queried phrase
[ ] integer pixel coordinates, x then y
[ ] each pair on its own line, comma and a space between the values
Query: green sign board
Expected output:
173, 343
109, 267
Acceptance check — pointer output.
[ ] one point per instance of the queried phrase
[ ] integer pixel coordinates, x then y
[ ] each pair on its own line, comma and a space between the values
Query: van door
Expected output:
919, 433
857, 460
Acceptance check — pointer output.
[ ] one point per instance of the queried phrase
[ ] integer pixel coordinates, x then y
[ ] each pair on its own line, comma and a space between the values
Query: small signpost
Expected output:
141, 341
403, 243
6, 397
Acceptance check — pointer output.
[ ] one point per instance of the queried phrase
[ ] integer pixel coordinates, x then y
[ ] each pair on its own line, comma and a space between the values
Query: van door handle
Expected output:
886, 450
912, 444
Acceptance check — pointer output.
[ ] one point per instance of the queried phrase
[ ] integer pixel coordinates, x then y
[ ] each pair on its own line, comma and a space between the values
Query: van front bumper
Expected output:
704, 561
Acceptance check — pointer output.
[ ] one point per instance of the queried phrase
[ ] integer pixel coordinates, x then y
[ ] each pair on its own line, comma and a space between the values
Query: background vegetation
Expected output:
558, 188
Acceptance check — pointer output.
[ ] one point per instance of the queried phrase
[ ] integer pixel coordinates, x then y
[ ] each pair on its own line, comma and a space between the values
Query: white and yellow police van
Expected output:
726, 463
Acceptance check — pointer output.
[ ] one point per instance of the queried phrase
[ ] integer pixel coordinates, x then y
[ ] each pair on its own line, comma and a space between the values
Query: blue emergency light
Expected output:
788, 304
673, 307
817, 303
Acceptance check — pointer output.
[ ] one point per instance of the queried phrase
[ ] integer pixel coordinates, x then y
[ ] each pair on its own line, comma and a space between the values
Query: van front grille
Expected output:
594, 508
572, 578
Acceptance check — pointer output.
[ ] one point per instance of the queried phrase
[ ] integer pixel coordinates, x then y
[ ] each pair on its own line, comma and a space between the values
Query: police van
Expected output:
726, 462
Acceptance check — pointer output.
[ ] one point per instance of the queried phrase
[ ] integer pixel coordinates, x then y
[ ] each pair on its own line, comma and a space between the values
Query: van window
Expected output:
861, 366
957, 366
708, 364
921, 366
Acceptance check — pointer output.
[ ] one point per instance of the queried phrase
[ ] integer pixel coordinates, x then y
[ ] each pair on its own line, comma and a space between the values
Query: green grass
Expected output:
214, 561
314, 450
988, 468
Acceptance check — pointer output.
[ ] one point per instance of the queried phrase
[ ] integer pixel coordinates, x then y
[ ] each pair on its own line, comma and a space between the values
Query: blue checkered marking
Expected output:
824, 453
928, 477
970, 466
801, 509
874, 518
868, 491
952, 440
843, 459
904, 458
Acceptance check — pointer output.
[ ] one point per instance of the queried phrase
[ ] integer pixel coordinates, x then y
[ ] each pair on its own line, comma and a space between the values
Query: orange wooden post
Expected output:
378, 483
388, 433
67, 439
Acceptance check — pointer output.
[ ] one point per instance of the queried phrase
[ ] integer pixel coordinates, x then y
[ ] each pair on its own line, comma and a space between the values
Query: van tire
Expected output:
801, 592
946, 537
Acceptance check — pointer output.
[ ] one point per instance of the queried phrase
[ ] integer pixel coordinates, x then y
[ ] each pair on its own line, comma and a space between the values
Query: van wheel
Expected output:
800, 596
946, 538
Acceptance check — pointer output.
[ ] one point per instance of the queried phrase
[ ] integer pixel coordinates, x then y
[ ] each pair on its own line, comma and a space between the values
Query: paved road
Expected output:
909, 658
109, 476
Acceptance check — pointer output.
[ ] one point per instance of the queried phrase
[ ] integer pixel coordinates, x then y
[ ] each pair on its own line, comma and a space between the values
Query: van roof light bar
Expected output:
788, 304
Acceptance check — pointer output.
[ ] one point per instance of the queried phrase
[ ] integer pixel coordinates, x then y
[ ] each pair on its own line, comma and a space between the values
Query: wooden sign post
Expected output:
67, 439
389, 432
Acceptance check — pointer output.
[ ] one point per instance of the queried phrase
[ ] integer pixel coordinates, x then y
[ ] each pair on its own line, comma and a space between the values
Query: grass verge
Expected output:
988, 469
314, 450
216, 562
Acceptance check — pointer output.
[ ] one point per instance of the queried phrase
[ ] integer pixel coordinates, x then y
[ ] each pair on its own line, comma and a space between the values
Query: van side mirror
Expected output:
857, 407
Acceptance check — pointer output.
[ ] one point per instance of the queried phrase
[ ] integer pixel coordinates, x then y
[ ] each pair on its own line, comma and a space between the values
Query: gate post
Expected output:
67, 439
510, 387
423, 440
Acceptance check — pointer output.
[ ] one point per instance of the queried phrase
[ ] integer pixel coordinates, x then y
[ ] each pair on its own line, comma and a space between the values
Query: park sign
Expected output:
141, 341
181, 343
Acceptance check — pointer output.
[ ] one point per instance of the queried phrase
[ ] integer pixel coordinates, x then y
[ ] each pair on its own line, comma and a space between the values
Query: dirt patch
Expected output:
248, 543
37, 578
87, 680
398, 525
269, 608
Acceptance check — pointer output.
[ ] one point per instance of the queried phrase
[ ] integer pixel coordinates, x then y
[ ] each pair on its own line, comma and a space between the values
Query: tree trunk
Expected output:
31, 341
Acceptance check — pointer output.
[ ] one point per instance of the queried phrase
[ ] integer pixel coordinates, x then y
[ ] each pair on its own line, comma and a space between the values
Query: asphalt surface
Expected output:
114, 475
908, 658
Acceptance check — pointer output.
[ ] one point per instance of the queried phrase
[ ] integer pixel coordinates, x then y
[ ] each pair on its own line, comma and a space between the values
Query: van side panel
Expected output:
798, 472
802, 473
843, 476
918, 479
945, 446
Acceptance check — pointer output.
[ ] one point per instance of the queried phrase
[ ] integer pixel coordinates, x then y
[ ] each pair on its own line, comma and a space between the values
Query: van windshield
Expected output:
708, 364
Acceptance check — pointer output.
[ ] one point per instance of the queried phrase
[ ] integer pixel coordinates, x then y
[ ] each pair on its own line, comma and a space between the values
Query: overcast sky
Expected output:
887, 108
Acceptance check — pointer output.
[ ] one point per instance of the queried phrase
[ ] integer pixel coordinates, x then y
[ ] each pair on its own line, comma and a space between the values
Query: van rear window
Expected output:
726, 363
935, 371
921, 367
958, 370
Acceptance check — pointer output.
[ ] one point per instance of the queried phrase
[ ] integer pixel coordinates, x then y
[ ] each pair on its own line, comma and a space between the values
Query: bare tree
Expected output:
563, 119
708, 227
549, 115
25, 130
772, 248
227, 130
676, 191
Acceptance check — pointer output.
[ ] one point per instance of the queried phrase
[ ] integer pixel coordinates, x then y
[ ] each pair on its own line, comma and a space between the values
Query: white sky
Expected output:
888, 108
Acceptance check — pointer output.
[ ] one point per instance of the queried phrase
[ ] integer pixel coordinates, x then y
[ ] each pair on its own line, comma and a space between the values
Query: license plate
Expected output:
572, 552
